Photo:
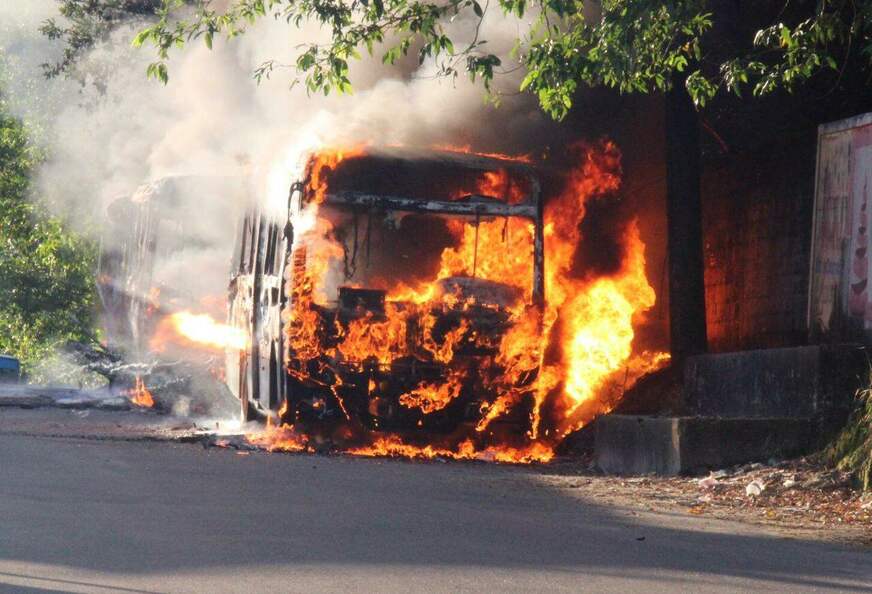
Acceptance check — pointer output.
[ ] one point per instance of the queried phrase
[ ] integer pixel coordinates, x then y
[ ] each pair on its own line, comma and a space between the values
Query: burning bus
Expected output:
342, 324
405, 304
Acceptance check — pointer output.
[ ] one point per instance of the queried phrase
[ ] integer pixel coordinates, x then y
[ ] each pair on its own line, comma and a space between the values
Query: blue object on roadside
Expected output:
10, 369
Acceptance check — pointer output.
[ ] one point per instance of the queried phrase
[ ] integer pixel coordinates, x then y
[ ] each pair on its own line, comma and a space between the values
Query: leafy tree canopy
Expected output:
86, 22
629, 45
47, 293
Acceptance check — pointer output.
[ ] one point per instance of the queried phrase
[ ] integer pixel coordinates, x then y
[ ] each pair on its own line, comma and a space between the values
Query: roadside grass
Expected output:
851, 450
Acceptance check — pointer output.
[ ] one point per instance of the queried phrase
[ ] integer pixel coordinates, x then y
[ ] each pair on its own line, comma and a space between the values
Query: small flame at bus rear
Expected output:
139, 395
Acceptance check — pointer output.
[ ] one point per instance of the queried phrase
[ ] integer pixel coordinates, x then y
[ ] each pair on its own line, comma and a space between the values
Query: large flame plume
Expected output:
558, 365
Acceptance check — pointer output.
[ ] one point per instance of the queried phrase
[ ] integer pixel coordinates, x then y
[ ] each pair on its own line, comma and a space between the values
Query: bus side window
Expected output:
277, 252
261, 246
251, 253
268, 256
247, 246
236, 257
243, 249
272, 253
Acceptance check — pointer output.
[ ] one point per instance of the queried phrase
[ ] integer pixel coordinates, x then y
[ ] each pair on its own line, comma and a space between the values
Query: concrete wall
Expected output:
799, 382
677, 445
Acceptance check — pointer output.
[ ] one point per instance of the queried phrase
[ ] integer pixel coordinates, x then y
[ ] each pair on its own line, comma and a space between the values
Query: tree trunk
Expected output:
687, 323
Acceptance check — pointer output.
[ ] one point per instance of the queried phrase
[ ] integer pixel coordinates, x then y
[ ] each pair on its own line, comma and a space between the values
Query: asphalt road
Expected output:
107, 516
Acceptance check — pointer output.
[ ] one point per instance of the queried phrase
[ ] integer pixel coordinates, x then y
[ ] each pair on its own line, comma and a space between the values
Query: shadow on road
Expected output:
139, 508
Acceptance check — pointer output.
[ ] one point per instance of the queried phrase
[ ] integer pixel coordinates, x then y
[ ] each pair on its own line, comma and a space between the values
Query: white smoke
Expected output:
213, 119
213, 115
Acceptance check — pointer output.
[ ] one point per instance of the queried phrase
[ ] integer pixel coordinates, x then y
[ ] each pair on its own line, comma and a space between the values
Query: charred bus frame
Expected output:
265, 249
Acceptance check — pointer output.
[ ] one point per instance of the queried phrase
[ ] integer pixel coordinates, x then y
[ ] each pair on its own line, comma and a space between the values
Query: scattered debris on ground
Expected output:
30, 396
801, 495
176, 387
103, 424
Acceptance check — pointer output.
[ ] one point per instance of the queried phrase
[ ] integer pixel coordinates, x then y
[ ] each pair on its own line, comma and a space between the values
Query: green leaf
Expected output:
141, 37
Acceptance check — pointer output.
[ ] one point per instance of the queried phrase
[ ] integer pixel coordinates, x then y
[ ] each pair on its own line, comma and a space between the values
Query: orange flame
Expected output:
199, 330
430, 397
393, 446
279, 439
366, 338
467, 149
139, 394
321, 163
